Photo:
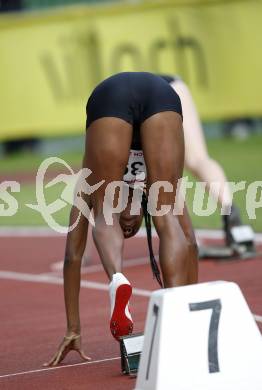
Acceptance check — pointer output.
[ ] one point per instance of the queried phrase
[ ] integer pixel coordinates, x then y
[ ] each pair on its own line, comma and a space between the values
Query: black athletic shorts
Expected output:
133, 97
168, 78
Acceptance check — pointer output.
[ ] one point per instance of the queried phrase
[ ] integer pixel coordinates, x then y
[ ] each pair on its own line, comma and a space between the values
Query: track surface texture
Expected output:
33, 316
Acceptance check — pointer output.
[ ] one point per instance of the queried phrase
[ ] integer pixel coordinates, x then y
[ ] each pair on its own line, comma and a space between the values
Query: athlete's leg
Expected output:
163, 146
197, 159
187, 227
107, 149
108, 143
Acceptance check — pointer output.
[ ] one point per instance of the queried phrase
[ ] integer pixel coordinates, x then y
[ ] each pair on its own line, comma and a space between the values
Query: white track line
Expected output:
258, 318
58, 367
84, 283
89, 269
23, 277
41, 231
28, 231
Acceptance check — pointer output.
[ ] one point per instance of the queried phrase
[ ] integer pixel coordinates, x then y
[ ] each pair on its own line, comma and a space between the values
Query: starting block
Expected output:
200, 337
242, 247
226, 253
130, 350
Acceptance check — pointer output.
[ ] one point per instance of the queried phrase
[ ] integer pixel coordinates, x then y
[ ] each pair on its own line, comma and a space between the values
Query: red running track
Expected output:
33, 319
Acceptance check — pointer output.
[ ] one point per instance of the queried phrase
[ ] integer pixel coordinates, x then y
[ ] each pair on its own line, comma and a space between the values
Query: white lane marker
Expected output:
89, 269
23, 277
84, 283
258, 318
41, 231
58, 367
28, 231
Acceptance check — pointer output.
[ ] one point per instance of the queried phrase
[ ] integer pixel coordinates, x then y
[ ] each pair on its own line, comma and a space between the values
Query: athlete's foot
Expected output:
120, 290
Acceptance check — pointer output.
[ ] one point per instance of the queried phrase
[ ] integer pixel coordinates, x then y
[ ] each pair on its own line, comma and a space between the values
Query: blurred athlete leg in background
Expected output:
199, 162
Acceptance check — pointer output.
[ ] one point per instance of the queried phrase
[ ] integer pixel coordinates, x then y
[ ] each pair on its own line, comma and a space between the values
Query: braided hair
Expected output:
154, 266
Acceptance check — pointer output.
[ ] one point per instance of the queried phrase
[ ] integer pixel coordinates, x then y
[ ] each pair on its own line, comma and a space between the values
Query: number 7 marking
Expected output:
215, 305
155, 312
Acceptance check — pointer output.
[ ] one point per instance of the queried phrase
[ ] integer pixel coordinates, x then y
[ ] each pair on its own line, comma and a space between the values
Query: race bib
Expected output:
135, 173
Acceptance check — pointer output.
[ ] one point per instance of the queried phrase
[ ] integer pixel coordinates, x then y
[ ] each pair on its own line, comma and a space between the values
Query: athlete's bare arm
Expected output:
75, 246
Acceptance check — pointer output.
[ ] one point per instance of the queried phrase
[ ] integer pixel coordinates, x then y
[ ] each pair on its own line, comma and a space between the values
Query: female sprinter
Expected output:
197, 160
126, 109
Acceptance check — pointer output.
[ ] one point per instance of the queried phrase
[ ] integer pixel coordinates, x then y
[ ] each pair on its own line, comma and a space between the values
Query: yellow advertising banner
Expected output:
49, 62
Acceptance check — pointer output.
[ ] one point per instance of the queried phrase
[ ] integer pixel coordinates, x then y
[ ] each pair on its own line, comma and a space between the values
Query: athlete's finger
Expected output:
83, 355
49, 363
66, 345
62, 356
62, 351
59, 358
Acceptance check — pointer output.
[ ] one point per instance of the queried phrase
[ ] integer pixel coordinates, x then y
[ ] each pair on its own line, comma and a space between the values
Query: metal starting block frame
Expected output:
226, 253
130, 350
243, 246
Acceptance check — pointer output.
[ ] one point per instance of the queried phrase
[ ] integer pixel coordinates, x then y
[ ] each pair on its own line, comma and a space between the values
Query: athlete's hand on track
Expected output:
69, 343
